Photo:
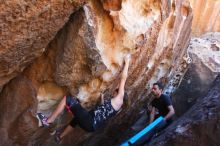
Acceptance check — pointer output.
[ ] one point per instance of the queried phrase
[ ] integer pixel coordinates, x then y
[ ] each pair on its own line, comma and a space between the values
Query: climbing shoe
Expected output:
57, 137
43, 120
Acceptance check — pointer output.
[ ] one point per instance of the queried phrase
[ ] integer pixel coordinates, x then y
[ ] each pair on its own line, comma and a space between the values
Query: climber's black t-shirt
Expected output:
162, 104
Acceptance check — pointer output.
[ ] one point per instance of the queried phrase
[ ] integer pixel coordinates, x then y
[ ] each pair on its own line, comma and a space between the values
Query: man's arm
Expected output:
152, 114
170, 113
117, 101
102, 98
124, 76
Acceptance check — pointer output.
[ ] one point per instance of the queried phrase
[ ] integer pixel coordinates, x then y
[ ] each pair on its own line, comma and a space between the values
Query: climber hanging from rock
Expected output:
88, 120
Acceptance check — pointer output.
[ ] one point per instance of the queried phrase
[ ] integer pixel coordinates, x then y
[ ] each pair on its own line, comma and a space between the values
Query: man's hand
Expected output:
102, 98
152, 114
170, 113
127, 59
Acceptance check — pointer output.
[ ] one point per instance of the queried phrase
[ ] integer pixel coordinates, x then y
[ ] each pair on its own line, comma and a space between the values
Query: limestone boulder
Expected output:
206, 17
18, 104
26, 29
205, 66
85, 57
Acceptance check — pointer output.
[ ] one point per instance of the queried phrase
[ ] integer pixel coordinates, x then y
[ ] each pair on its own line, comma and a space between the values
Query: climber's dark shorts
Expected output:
81, 116
89, 120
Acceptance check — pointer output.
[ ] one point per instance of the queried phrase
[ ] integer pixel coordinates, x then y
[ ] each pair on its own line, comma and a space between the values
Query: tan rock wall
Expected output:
86, 56
206, 16
26, 29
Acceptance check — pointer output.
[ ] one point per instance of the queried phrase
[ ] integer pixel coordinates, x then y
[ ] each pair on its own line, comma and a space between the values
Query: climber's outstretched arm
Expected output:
117, 101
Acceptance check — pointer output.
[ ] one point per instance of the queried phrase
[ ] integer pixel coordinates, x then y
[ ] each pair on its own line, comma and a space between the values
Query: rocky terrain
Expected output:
52, 48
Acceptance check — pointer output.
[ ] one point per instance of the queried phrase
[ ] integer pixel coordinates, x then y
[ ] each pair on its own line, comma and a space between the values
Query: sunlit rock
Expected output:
26, 29
75, 47
206, 16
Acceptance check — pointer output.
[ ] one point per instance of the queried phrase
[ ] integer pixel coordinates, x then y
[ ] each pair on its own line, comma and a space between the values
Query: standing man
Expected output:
162, 103
161, 106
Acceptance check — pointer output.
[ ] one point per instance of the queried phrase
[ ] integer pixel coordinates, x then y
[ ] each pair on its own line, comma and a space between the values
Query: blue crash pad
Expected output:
143, 132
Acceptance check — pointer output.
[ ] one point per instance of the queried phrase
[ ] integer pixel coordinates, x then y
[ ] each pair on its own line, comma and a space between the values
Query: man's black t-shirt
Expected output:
162, 104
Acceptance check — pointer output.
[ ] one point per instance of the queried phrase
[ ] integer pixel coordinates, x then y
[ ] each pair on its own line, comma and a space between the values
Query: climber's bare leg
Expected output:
57, 111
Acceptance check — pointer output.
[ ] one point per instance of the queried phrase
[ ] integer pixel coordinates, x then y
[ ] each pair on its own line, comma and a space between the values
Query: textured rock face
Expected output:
18, 104
114, 5
157, 40
26, 29
200, 126
205, 66
85, 58
206, 16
